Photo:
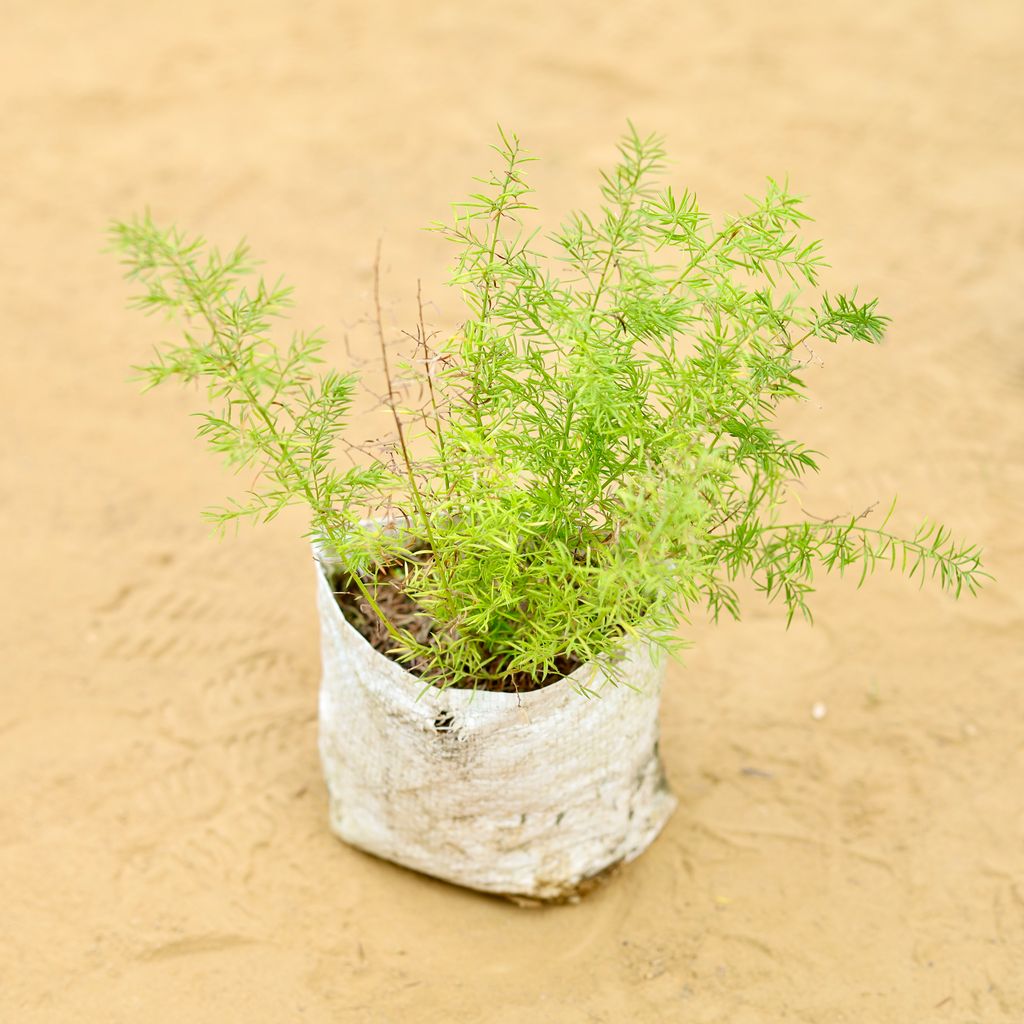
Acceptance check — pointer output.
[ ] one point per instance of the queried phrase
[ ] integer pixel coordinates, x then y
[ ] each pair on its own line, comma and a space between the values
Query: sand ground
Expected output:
164, 855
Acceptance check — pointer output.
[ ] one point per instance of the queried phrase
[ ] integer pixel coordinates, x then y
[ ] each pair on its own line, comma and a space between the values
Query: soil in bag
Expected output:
402, 611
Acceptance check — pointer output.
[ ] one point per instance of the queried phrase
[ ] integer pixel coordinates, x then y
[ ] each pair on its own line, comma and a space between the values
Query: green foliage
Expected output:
596, 455
268, 408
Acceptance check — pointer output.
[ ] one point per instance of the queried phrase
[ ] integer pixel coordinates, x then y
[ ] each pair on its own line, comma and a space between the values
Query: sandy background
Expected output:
164, 853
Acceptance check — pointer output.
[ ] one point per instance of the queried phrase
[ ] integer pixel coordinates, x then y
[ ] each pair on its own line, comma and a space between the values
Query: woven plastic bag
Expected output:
527, 795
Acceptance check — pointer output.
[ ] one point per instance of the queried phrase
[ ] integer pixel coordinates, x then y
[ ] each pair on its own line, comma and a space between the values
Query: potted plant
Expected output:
593, 455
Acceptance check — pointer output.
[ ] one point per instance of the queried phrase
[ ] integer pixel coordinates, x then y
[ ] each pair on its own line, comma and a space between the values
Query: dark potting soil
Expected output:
403, 612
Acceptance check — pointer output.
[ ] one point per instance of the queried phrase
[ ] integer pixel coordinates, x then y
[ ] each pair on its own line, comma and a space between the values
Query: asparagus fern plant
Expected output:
595, 453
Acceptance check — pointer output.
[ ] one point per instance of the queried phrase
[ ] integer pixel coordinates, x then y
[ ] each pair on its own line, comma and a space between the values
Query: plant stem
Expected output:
406, 456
